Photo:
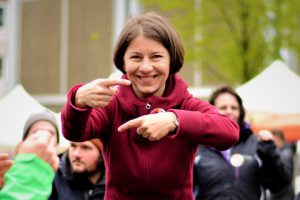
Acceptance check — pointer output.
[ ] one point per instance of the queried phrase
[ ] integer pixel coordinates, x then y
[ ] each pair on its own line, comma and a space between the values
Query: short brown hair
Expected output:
155, 27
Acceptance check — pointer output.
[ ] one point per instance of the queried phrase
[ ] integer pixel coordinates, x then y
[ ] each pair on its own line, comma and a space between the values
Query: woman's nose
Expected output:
228, 110
146, 65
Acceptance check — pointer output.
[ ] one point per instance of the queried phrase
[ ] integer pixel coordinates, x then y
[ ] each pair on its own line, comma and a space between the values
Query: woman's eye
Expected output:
135, 57
157, 56
222, 108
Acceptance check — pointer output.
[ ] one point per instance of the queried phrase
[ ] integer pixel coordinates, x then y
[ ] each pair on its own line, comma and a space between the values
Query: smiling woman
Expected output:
147, 67
127, 115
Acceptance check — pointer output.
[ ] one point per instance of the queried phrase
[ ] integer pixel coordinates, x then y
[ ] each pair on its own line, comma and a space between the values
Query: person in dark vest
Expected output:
244, 171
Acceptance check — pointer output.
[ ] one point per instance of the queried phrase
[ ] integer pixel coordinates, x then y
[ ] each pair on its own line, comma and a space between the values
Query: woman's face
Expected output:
147, 65
227, 104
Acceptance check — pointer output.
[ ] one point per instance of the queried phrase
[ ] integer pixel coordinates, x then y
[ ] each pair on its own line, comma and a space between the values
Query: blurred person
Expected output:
43, 120
81, 174
297, 196
287, 155
245, 170
32, 172
36, 122
149, 124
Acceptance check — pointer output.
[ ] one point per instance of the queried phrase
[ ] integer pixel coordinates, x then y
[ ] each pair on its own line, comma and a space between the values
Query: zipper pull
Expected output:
148, 106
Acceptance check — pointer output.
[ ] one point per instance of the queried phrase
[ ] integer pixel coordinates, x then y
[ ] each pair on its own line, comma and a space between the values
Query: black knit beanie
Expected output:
40, 116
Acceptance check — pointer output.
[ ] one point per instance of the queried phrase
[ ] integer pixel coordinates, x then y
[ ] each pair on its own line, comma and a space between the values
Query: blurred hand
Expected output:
5, 163
42, 145
265, 135
98, 93
152, 126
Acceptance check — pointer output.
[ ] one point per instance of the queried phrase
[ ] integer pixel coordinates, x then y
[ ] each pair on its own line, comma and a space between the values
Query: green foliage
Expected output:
233, 32
231, 41
182, 16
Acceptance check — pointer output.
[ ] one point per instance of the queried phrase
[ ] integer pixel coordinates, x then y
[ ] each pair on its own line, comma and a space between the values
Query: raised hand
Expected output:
42, 145
152, 126
265, 135
98, 93
5, 163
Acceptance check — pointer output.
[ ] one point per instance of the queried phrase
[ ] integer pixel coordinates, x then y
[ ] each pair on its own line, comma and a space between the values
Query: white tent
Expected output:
15, 108
275, 90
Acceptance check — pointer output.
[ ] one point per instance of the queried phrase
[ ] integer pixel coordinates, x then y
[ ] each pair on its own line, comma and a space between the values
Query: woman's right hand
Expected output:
98, 93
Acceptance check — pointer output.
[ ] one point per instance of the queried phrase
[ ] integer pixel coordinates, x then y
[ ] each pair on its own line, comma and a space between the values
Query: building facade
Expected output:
50, 45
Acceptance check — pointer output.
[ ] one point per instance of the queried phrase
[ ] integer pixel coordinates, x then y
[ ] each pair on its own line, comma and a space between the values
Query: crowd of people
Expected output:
144, 136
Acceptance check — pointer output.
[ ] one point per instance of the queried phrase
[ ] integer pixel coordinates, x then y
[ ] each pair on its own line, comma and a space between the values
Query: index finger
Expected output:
130, 124
4, 166
5, 162
114, 82
4, 156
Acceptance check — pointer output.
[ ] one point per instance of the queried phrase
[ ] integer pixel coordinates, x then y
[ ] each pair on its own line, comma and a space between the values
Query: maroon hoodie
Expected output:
141, 169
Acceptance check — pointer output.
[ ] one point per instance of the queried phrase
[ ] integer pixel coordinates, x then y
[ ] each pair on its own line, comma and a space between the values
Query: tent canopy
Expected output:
15, 108
275, 90
272, 100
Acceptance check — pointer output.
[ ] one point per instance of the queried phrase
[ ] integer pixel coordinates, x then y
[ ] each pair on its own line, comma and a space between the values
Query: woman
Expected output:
243, 171
149, 124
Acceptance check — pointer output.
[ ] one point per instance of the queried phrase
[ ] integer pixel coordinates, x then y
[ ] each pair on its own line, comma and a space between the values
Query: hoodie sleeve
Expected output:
201, 123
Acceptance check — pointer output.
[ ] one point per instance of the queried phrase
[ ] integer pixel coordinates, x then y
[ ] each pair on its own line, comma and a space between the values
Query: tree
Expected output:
284, 21
231, 41
183, 16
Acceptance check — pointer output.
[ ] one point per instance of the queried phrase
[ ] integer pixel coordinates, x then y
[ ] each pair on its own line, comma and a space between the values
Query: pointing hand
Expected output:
98, 93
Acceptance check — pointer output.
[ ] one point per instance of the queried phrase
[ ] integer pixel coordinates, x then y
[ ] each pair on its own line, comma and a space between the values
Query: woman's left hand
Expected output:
152, 126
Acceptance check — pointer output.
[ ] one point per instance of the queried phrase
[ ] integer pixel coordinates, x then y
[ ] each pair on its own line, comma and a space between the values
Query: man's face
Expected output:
44, 126
83, 157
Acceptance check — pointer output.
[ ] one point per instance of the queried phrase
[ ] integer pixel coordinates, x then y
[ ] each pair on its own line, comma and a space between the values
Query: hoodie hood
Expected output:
175, 92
